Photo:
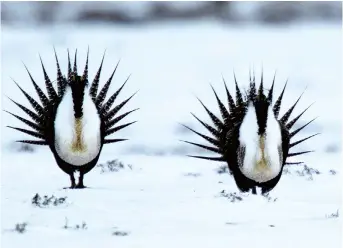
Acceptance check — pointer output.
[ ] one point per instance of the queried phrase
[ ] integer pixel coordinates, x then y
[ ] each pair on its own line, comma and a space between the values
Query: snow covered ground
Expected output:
167, 199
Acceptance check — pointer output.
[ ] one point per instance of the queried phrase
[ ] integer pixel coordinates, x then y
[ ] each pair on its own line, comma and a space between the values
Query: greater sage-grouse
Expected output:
251, 137
75, 120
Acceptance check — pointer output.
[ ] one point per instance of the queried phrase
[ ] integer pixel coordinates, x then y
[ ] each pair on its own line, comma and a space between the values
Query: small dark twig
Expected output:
20, 227
113, 166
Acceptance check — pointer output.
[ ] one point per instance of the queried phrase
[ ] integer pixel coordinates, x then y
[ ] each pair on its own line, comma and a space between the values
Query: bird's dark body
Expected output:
63, 165
71, 169
243, 183
45, 116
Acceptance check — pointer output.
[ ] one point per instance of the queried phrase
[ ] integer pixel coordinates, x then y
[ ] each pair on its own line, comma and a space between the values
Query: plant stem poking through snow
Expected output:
113, 166
333, 215
120, 233
20, 227
47, 201
83, 225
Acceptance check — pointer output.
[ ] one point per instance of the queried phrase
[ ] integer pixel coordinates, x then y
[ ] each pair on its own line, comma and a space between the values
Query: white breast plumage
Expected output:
77, 141
261, 160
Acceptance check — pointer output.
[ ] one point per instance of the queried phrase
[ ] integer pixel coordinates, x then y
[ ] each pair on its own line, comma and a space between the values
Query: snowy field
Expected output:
161, 198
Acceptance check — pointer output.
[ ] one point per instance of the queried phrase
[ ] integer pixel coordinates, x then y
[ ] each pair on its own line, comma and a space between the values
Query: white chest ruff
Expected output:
262, 159
77, 142
260, 171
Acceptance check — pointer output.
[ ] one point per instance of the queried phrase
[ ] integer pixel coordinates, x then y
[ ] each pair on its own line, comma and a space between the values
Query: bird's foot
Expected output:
80, 186
76, 187
71, 187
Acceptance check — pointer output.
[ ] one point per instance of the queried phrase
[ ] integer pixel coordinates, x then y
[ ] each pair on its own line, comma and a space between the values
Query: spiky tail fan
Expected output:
42, 112
235, 113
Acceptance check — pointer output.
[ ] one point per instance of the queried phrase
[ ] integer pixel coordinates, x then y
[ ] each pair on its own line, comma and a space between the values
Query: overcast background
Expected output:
138, 13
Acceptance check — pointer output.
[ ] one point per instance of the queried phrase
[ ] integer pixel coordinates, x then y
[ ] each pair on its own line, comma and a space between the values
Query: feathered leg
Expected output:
80, 184
72, 182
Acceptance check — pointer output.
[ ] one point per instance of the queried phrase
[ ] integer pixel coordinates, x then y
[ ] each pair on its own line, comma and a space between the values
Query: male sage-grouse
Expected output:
251, 137
75, 120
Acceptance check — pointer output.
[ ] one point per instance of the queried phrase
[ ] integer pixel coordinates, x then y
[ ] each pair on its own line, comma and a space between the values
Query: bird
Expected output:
251, 136
74, 120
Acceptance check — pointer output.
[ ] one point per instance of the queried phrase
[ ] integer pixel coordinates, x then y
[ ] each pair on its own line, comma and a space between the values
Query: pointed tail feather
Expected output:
277, 104
117, 119
293, 163
270, 94
209, 139
208, 158
106, 107
260, 90
286, 116
70, 72
108, 141
75, 63
302, 140
41, 95
292, 122
35, 117
34, 134
225, 114
214, 118
252, 88
102, 95
94, 87
298, 153
50, 88
27, 122
85, 71
212, 149
300, 128
232, 105
116, 129
239, 98
60, 80
114, 111
32, 101
213, 131
34, 142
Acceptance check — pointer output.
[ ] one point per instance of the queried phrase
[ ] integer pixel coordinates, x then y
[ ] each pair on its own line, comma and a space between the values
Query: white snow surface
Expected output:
168, 199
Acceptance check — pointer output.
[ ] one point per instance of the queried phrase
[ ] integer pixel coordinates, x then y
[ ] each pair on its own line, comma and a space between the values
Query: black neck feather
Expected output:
261, 104
261, 108
77, 88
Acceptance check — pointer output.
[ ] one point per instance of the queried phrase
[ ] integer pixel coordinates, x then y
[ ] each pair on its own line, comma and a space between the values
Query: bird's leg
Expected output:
80, 184
72, 181
253, 191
